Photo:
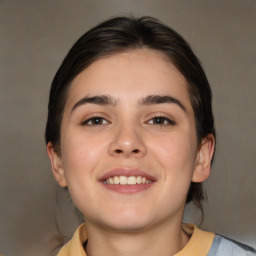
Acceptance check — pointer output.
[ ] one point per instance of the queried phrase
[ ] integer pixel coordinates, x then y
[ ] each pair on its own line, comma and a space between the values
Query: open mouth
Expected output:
126, 180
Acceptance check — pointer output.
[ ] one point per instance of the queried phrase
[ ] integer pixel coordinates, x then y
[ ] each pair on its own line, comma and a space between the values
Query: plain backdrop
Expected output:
35, 35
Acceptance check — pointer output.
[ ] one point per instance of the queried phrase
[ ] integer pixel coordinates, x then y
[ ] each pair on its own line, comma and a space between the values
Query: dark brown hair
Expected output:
127, 33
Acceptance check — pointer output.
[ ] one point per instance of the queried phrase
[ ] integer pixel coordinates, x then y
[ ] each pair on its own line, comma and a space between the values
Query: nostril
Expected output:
120, 151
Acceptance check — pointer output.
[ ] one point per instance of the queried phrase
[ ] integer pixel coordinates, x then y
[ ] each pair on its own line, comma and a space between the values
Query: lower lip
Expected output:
128, 189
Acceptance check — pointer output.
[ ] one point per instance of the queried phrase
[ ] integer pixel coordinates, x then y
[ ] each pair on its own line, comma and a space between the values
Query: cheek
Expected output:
177, 158
175, 151
81, 156
81, 153
176, 155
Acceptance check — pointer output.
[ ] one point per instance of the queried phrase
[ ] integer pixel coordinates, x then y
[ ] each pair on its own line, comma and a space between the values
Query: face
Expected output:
128, 142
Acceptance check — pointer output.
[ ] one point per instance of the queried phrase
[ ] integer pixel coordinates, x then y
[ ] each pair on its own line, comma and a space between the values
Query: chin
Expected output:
121, 220
130, 221
128, 225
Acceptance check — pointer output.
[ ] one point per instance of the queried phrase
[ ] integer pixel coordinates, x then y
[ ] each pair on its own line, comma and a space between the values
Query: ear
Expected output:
204, 157
56, 163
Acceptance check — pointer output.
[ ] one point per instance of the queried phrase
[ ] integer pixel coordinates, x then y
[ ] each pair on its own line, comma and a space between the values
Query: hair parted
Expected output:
127, 33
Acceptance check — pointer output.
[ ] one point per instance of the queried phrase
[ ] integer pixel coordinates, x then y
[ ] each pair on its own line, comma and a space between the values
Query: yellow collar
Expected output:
199, 243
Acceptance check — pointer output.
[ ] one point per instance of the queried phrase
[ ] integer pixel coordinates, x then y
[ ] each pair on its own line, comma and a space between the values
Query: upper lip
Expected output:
126, 172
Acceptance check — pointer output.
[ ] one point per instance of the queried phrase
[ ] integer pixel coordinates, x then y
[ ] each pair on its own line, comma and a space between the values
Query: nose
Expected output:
127, 142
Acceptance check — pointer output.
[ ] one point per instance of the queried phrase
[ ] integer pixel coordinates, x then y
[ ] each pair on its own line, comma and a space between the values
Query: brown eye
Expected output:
161, 120
95, 121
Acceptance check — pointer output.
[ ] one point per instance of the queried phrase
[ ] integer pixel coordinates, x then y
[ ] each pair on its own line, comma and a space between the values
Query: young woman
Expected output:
130, 133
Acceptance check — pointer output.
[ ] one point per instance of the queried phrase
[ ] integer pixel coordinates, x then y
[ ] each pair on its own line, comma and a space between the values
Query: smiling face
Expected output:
128, 119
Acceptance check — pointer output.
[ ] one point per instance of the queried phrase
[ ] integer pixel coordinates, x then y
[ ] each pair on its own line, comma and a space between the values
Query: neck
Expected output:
164, 240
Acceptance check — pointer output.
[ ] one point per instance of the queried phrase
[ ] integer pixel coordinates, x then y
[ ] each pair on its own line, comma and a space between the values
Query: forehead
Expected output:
130, 75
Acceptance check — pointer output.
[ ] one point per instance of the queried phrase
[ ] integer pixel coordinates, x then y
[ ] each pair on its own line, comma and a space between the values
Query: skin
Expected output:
129, 136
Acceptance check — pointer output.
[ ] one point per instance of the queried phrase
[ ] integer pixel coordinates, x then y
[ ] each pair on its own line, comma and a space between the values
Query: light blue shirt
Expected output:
223, 246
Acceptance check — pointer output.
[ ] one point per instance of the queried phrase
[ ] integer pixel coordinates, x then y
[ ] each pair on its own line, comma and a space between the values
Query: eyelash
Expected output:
166, 120
93, 121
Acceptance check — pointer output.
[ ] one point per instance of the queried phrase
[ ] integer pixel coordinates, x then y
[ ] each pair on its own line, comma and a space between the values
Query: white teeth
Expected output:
116, 180
139, 180
132, 180
123, 180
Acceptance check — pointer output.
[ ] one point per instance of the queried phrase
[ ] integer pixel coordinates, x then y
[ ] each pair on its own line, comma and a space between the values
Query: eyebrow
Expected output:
161, 99
109, 100
99, 100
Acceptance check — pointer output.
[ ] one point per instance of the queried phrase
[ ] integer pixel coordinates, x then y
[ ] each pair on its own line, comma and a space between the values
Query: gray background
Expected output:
35, 35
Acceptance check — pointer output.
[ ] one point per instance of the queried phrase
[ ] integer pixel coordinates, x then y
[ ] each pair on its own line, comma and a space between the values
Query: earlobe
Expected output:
56, 163
204, 157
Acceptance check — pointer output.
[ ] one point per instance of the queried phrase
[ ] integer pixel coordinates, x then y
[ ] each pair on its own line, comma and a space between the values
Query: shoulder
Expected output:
223, 246
75, 246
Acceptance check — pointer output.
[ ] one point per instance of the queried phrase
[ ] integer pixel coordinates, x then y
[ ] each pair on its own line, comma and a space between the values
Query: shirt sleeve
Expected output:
223, 246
